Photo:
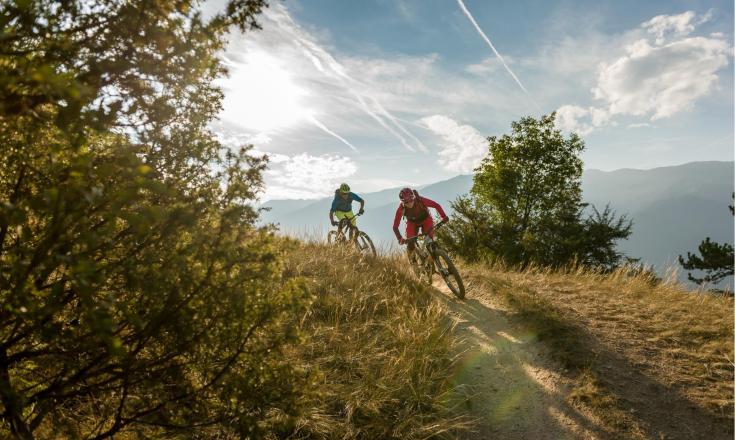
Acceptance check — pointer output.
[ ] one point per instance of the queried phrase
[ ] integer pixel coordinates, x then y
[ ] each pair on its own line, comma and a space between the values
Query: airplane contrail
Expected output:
316, 122
336, 71
393, 119
487, 40
322, 60
380, 121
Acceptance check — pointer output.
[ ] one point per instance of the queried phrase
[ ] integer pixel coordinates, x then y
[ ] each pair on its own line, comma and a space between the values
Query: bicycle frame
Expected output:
347, 221
433, 259
426, 241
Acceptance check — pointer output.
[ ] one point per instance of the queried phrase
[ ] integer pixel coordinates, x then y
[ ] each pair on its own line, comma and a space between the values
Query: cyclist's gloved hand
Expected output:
401, 240
334, 223
361, 211
445, 220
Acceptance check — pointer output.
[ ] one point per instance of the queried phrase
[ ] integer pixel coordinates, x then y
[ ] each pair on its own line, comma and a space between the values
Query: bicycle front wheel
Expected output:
421, 268
449, 272
365, 244
333, 237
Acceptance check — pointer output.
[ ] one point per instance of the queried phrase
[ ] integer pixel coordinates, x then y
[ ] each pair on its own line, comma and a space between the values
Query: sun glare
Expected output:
261, 95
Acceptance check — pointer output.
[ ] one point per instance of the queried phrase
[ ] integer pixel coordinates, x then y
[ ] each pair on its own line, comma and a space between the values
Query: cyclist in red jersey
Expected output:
416, 211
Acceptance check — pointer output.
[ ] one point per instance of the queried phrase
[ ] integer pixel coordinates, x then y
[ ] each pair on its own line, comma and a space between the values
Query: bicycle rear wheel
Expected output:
365, 244
449, 272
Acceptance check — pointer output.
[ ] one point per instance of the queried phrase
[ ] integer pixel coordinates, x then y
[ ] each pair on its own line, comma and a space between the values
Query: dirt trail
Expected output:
517, 391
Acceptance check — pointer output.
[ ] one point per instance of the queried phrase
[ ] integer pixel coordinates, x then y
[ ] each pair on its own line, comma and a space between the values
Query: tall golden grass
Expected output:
380, 347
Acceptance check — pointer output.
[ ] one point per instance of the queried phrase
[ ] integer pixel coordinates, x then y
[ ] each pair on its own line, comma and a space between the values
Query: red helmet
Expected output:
406, 195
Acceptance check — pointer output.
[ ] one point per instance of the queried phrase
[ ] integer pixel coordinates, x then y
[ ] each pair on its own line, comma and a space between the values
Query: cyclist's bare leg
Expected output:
350, 227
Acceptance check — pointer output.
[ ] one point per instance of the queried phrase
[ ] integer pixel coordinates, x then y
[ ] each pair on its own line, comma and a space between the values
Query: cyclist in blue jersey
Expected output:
342, 207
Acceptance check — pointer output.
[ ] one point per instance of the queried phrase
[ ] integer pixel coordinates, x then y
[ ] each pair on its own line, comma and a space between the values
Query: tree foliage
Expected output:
136, 294
526, 206
716, 260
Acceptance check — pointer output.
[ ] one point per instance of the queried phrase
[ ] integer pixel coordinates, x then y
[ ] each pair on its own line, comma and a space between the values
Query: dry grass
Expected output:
380, 347
627, 341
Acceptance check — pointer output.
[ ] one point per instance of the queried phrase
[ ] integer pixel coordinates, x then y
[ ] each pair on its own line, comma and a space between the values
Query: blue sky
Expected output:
383, 93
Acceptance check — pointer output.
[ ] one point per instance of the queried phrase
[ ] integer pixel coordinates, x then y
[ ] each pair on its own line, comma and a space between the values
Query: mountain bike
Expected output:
345, 230
429, 258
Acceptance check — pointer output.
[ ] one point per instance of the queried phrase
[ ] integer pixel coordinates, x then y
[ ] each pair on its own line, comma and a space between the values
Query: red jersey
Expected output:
418, 213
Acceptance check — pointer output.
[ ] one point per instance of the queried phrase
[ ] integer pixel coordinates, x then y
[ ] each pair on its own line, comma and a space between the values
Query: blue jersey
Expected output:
344, 204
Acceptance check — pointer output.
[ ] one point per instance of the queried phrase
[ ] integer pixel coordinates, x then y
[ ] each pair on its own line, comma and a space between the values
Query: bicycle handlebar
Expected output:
425, 233
349, 218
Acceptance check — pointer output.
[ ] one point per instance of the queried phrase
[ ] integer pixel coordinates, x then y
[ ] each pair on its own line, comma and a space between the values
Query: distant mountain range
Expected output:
673, 208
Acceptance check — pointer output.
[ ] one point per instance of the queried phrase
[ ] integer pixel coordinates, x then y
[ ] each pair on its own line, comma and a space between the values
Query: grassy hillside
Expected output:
645, 360
383, 356
379, 346
649, 361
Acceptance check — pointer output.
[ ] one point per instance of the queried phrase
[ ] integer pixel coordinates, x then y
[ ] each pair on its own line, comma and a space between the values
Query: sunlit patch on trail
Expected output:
507, 406
539, 374
521, 337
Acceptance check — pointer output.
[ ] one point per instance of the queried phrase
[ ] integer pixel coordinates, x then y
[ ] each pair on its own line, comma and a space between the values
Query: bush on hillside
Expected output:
136, 294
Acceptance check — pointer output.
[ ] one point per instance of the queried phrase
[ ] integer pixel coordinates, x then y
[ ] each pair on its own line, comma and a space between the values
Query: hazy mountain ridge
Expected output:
673, 208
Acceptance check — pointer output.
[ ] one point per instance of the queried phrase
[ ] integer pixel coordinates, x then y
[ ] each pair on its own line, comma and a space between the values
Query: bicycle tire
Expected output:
416, 267
368, 246
429, 273
458, 289
332, 237
427, 270
419, 268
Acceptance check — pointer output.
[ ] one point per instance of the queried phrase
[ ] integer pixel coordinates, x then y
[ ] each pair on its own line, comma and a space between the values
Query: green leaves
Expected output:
132, 276
716, 260
525, 203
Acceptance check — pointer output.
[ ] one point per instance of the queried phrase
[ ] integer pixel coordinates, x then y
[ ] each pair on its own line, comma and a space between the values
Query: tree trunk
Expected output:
13, 407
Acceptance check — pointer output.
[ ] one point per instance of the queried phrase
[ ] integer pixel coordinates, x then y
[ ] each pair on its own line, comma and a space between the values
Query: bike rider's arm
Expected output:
397, 222
359, 199
331, 211
432, 204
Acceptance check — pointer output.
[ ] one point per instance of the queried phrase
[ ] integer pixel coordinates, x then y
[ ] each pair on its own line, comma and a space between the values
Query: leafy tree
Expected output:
136, 294
599, 235
525, 204
716, 260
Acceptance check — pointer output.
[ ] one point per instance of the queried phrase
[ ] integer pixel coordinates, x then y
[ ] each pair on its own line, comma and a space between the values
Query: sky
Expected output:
386, 93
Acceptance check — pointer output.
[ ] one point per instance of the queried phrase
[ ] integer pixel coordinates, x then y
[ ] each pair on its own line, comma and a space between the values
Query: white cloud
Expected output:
236, 139
463, 147
574, 118
331, 85
653, 79
662, 26
417, 86
360, 101
305, 176
677, 25
662, 80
